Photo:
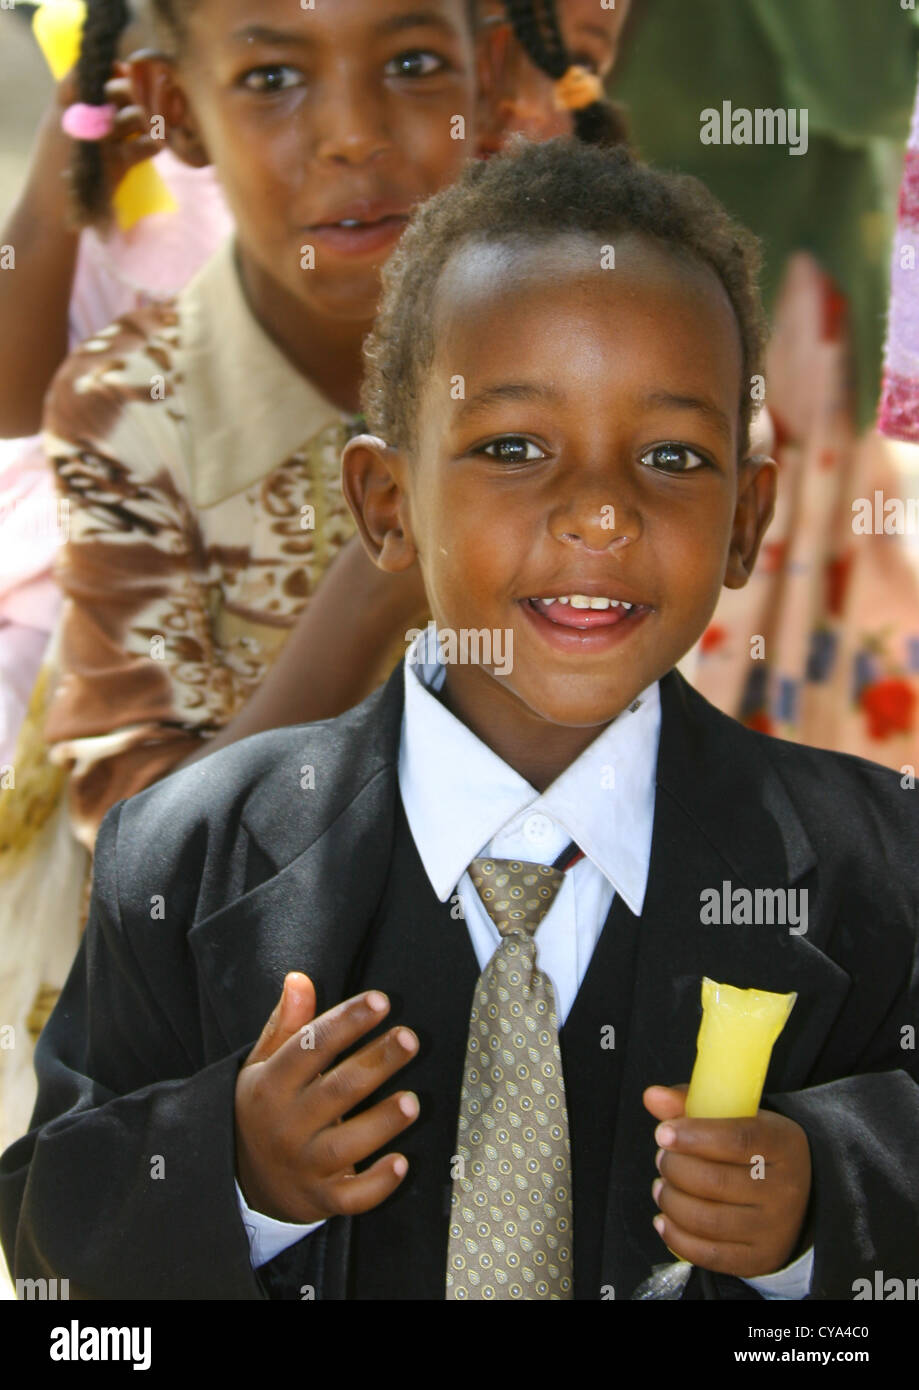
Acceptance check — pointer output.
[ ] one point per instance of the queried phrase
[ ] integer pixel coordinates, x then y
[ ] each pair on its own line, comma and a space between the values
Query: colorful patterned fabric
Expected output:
124, 271
899, 411
822, 646
197, 531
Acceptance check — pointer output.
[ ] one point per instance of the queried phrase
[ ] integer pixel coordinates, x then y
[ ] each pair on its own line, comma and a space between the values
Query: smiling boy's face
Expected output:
595, 454
339, 113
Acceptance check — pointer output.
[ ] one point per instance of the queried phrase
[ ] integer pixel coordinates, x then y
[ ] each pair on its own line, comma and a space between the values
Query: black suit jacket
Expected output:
212, 884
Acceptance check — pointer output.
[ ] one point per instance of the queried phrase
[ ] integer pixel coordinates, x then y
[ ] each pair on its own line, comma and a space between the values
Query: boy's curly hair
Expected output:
536, 192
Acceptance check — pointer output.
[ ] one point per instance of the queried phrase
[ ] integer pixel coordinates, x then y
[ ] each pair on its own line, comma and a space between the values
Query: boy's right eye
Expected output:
513, 448
274, 77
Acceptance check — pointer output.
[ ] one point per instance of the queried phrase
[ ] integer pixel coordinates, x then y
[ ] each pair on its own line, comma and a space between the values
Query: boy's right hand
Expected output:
295, 1153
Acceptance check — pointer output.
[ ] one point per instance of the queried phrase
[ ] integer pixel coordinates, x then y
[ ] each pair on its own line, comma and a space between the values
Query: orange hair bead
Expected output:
576, 88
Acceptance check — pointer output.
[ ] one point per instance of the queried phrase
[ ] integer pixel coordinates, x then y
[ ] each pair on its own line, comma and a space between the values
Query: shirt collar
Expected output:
458, 794
228, 360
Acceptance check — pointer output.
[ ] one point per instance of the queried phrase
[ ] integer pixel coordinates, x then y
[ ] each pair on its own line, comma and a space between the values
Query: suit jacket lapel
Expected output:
331, 845
722, 815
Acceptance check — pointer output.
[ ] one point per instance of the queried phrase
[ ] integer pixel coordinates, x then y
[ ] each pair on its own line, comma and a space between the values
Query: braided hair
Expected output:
106, 21
536, 27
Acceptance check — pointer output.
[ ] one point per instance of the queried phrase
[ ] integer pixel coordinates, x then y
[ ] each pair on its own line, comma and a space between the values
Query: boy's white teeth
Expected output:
350, 222
582, 601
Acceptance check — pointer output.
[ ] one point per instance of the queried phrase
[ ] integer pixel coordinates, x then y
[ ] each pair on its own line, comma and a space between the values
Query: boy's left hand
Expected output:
716, 1212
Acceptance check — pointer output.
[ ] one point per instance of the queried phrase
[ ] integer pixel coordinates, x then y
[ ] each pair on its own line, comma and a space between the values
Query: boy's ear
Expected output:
758, 475
158, 91
372, 479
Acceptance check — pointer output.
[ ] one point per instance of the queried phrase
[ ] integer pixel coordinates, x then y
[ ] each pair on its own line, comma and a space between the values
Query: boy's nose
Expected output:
609, 542
596, 525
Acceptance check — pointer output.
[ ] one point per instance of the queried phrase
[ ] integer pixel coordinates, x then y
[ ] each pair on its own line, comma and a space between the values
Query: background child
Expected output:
589, 495
69, 283
530, 45
309, 150
196, 443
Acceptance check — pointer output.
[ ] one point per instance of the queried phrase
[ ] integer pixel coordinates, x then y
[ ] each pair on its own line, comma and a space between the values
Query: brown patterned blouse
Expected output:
200, 472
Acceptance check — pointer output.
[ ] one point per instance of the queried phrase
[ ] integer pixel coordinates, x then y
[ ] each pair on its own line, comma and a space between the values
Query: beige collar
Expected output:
249, 409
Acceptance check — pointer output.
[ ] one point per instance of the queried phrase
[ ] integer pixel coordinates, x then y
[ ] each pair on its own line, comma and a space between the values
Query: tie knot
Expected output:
516, 895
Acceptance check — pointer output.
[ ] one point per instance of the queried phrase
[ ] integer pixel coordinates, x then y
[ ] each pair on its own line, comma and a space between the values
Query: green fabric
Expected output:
852, 65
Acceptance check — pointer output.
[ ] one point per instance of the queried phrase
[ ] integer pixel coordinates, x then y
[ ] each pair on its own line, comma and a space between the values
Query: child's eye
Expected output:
673, 458
272, 78
513, 449
418, 63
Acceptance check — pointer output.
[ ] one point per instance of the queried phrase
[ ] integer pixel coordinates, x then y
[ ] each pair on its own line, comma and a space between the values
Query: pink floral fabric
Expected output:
837, 610
899, 412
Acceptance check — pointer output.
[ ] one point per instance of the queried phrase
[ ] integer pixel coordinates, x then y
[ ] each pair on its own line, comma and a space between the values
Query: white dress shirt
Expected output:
461, 800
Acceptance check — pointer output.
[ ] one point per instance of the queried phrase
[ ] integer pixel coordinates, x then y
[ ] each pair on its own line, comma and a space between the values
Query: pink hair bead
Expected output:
84, 122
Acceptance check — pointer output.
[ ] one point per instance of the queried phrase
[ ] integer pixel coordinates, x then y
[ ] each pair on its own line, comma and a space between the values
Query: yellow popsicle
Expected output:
58, 28
736, 1036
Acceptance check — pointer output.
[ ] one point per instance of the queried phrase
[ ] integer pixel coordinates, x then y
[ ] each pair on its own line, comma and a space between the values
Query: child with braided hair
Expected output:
545, 66
70, 279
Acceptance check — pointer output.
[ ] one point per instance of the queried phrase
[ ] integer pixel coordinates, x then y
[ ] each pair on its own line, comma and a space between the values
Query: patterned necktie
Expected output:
511, 1217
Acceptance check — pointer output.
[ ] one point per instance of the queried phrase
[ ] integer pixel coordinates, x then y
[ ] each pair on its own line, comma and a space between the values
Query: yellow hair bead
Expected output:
576, 88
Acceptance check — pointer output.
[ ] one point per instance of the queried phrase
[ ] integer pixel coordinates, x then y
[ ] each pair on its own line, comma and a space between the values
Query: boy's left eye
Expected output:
417, 63
272, 78
673, 458
513, 448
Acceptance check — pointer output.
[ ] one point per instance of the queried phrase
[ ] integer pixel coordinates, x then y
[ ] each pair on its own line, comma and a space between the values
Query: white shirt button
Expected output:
538, 829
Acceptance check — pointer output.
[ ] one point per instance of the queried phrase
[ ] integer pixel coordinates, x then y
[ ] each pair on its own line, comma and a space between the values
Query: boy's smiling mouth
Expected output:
582, 613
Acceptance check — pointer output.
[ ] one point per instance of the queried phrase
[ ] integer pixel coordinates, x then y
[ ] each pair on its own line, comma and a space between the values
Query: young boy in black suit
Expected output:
482, 888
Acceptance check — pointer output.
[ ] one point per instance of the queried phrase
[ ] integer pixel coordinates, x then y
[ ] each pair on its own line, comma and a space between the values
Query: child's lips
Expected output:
351, 237
568, 627
566, 615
